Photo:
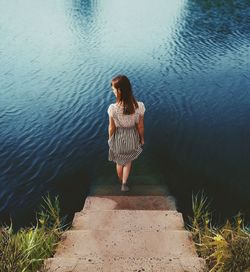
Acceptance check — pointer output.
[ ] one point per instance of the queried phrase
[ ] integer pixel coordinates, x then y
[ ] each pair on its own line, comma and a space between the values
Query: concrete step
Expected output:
128, 220
130, 264
138, 184
134, 189
126, 243
114, 202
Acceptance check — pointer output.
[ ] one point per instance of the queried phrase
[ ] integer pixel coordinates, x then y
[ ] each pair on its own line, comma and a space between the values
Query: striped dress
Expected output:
124, 144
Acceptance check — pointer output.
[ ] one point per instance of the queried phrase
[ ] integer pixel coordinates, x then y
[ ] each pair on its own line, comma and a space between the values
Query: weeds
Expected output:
225, 248
25, 250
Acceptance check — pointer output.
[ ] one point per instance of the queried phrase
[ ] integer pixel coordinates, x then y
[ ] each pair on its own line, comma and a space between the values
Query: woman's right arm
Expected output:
140, 127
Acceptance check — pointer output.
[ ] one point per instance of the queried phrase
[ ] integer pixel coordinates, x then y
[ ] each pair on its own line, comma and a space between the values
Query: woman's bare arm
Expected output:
140, 127
112, 127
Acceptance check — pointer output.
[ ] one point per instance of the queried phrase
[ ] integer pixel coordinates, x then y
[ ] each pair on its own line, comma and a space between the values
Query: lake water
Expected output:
188, 61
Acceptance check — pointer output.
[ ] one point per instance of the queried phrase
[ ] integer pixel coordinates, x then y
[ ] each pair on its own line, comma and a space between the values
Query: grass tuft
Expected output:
226, 247
26, 250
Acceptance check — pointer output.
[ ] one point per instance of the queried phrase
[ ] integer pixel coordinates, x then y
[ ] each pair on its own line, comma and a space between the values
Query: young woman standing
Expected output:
126, 128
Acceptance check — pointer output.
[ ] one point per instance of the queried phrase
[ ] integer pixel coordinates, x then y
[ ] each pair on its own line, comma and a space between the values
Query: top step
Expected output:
138, 185
129, 203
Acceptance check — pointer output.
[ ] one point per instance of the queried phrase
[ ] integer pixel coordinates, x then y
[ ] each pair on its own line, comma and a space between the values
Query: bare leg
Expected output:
126, 171
119, 169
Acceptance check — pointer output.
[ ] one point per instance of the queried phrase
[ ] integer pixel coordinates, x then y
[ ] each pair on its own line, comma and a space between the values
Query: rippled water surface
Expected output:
188, 61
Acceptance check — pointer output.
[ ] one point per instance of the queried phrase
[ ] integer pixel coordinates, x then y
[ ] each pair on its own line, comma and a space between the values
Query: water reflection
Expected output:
83, 15
188, 61
207, 87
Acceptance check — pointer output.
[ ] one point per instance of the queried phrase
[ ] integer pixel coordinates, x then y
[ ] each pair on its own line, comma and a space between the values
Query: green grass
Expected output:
26, 249
225, 248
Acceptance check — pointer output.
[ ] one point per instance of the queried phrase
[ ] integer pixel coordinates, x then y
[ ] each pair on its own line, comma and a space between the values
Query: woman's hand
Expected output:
142, 141
140, 128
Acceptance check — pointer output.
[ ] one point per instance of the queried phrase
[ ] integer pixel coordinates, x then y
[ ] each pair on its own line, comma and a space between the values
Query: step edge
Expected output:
132, 231
86, 211
175, 258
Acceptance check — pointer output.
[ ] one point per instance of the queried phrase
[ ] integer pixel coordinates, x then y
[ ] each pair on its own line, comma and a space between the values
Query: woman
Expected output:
126, 128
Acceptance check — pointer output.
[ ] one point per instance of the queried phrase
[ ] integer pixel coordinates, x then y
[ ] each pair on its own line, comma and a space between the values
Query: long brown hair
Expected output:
125, 97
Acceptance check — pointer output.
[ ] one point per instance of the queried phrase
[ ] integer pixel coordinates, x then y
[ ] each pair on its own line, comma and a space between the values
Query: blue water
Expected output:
188, 61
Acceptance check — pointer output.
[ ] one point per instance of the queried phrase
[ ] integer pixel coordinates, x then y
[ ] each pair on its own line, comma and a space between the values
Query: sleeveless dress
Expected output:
124, 144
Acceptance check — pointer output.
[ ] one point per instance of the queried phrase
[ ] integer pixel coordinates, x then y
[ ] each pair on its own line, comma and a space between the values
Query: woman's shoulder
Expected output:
141, 107
112, 105
140, 103
111, 109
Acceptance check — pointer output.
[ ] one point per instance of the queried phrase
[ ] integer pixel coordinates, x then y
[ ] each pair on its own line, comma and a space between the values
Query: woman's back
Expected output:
122, 120
125, 136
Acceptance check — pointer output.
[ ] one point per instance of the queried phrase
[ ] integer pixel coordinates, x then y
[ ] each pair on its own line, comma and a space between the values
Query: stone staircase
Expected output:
126, 233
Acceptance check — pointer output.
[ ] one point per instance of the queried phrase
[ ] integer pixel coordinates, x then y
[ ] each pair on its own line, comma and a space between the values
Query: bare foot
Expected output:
124, 188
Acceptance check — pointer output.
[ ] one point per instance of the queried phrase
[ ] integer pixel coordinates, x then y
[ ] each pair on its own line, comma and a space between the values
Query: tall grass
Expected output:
226, 248
25, 250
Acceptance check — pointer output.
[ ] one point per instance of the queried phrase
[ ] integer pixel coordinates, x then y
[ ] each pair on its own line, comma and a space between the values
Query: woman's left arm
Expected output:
112, 127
